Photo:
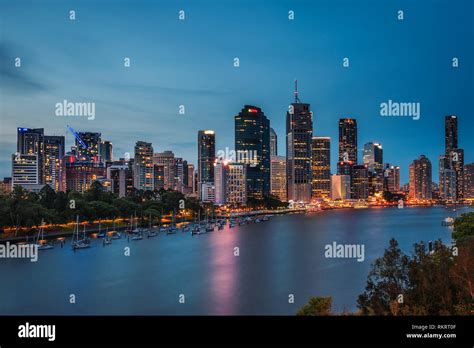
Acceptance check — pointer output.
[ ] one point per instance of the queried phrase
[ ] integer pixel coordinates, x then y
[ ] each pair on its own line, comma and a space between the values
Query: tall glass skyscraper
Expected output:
469, 180
373, 159
299, 134
391, 178
321, 167
348, 140
360, 182
347, 148
143, 173
373, 156
420, 178
92, 141
206, 156
168, 161
53, 154
252, 145
451, 174
273, 143
451, 133
106, 151
278, 177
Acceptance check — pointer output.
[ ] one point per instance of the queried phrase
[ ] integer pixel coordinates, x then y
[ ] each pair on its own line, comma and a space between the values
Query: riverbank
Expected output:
285, 255
123, 226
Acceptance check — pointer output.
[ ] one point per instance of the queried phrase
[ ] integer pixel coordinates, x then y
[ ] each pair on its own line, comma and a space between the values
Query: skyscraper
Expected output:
451, 133
321, 167
391, 178
191, 183
373, 156
30, 141
373, 159
252, 145
53, 155
178, 180
457, 164
185, 174
348, 140
143, 167
220, 180
278, 177
120, 175
447, 179
206, 157
158, 176
469, 181
347, 148
168, 161
452, 162
236, 184
420, 178
360, 182
299, 133
106, 151
273, 143
347, 169
91, 151
25, 170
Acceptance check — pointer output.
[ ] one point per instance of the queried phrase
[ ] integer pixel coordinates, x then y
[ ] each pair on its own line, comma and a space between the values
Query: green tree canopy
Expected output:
387, 279
316, 306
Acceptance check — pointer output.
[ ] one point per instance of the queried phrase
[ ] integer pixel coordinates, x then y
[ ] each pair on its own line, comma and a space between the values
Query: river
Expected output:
276, 259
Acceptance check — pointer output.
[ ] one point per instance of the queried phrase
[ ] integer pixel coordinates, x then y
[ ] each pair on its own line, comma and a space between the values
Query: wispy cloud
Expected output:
14, 79
174, 91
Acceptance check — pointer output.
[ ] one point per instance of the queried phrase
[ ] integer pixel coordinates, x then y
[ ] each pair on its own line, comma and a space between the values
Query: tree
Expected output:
464, 227
154, 214
171, 200
435, 282
95, 192
387, 280
193, 204
430, 290
102, 210
316, 306
126, 207
272, 202
4, 212
47, 196
61, 207
462, 275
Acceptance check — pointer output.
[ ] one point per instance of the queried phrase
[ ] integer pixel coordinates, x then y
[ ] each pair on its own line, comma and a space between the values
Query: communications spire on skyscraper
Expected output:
299, 133
297, 100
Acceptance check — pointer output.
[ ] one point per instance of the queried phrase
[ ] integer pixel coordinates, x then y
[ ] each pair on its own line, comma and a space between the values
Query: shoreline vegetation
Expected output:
22, 213
434, 280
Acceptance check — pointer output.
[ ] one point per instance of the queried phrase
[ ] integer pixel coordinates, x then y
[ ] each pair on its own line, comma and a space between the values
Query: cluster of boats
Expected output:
80, 240
247, 220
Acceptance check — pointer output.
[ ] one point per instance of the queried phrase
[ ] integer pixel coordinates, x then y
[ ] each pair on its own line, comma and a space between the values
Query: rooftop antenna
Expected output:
297, 100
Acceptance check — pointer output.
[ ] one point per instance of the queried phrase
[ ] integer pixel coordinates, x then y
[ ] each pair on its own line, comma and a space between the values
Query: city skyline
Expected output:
189, 160
94, 154
142, 102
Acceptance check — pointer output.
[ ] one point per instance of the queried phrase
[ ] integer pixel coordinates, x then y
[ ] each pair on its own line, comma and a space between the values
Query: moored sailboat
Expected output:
40, 241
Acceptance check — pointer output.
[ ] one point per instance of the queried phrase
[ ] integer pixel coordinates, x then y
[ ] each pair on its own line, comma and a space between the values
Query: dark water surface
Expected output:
280, 257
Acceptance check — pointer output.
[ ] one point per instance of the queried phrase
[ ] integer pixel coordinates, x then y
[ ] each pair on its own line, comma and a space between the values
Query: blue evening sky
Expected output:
190, 63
